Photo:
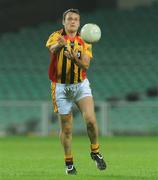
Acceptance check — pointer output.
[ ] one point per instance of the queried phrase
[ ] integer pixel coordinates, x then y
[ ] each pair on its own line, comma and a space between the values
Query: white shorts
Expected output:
65, 95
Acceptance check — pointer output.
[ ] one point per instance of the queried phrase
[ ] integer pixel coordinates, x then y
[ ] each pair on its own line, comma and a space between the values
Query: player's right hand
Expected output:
61, 41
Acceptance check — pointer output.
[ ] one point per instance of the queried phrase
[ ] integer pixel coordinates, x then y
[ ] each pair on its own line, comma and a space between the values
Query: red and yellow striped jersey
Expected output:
61, 69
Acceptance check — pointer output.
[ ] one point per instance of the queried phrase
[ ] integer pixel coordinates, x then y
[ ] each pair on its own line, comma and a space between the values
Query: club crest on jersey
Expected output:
79, 54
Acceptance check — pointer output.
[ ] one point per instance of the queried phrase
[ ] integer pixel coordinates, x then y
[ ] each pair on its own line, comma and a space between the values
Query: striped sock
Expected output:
95, 148
68, 160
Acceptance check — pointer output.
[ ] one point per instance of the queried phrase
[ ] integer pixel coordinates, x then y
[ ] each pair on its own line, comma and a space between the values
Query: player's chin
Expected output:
73, 29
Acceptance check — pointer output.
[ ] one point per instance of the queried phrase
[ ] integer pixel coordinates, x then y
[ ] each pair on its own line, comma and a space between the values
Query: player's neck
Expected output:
71, 34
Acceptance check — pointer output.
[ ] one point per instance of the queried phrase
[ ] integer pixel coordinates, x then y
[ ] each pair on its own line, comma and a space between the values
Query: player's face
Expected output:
71, 22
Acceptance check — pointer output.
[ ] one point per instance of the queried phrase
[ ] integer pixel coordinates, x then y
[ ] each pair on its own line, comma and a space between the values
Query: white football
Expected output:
90, 33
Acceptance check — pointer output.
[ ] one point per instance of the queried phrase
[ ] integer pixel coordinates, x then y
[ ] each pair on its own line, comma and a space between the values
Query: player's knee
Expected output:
89, 118
67, 131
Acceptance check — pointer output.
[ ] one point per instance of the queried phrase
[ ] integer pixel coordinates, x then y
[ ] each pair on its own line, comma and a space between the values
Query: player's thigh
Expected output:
61, 103
86, 106
66, 122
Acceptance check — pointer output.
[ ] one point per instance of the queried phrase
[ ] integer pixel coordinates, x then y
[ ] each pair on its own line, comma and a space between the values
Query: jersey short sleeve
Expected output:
52, 39
88, 50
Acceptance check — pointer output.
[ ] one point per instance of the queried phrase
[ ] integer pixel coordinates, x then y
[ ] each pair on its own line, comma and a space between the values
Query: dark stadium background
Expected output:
123, 72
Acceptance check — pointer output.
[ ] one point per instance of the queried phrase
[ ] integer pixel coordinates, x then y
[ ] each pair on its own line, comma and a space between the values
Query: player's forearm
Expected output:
81, 63
56, 48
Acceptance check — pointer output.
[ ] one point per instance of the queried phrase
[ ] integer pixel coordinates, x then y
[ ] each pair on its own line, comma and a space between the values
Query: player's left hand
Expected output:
80, 59
72, 55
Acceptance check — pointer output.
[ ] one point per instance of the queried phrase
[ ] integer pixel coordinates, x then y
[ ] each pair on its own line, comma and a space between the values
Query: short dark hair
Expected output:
70, 10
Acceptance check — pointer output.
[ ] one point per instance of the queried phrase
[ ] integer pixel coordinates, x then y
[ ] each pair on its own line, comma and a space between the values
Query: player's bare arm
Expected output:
83, 62
61, 42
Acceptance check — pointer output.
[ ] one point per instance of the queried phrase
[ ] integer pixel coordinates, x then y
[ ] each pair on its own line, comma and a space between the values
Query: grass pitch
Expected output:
38, 158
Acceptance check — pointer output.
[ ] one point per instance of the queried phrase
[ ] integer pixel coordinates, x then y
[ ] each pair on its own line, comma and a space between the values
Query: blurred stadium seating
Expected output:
125, 60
